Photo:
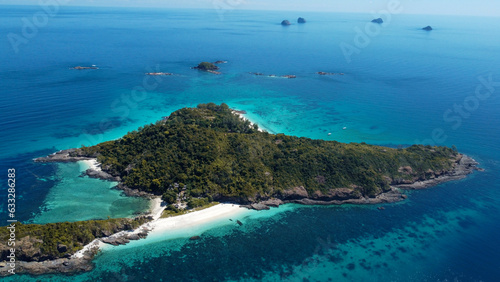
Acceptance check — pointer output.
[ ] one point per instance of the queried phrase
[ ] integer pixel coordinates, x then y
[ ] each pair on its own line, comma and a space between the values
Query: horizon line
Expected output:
246, 9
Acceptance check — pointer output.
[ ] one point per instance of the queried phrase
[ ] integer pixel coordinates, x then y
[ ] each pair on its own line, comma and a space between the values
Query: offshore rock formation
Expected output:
329, 73
285, 23
273, 75
85, 68
208, 67
159, 73
301, 20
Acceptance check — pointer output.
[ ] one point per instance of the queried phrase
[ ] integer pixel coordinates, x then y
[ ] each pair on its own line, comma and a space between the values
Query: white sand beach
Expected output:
96, 244
261, 129
159, 229
189, 224
90, 164
156, 208
186, 221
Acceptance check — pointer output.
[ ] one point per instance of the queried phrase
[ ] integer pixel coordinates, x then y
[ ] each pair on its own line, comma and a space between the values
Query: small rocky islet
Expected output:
85, 68
208, 67
286, 23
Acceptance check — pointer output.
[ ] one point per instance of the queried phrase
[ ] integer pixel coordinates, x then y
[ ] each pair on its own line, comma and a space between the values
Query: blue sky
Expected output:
448, 7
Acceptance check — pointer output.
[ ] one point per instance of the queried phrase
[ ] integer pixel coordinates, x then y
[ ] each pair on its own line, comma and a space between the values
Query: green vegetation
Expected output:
171, 210
207, 66
56, 240
208, 152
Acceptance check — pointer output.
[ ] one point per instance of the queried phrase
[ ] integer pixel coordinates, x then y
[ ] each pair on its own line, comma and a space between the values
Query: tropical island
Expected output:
209, 67
209, 153
199, 156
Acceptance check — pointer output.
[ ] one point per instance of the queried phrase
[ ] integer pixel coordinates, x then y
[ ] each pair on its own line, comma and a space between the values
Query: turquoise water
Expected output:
80, 198
396, 91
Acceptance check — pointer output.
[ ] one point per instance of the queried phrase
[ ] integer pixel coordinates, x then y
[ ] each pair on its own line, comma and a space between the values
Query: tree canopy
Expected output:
210, 152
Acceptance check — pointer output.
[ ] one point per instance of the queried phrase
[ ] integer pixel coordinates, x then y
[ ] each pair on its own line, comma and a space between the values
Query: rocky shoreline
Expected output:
338, 196
463, 166
62, 156
57, 266
82, 261
273, 75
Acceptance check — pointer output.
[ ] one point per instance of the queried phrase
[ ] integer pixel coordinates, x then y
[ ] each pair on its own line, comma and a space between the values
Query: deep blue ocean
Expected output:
400, 85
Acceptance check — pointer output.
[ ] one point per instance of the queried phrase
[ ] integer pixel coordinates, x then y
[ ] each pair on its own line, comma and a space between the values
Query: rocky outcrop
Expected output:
301, 20
27, 249
85, 68
394, 195
463, 166
379, 21
159, 73
208, 67
337, 196
273, 75
285, 23
66, 265
133, 192
58, 266
273, 203
428, 28
124, 237
264, 205
259, 207
63, 156
329, 73
62, 248
340, 194
294, 194
99, 174
71, 155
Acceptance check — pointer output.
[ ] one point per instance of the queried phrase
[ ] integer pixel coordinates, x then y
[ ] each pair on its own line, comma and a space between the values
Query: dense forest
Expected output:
36, 242
210, 153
